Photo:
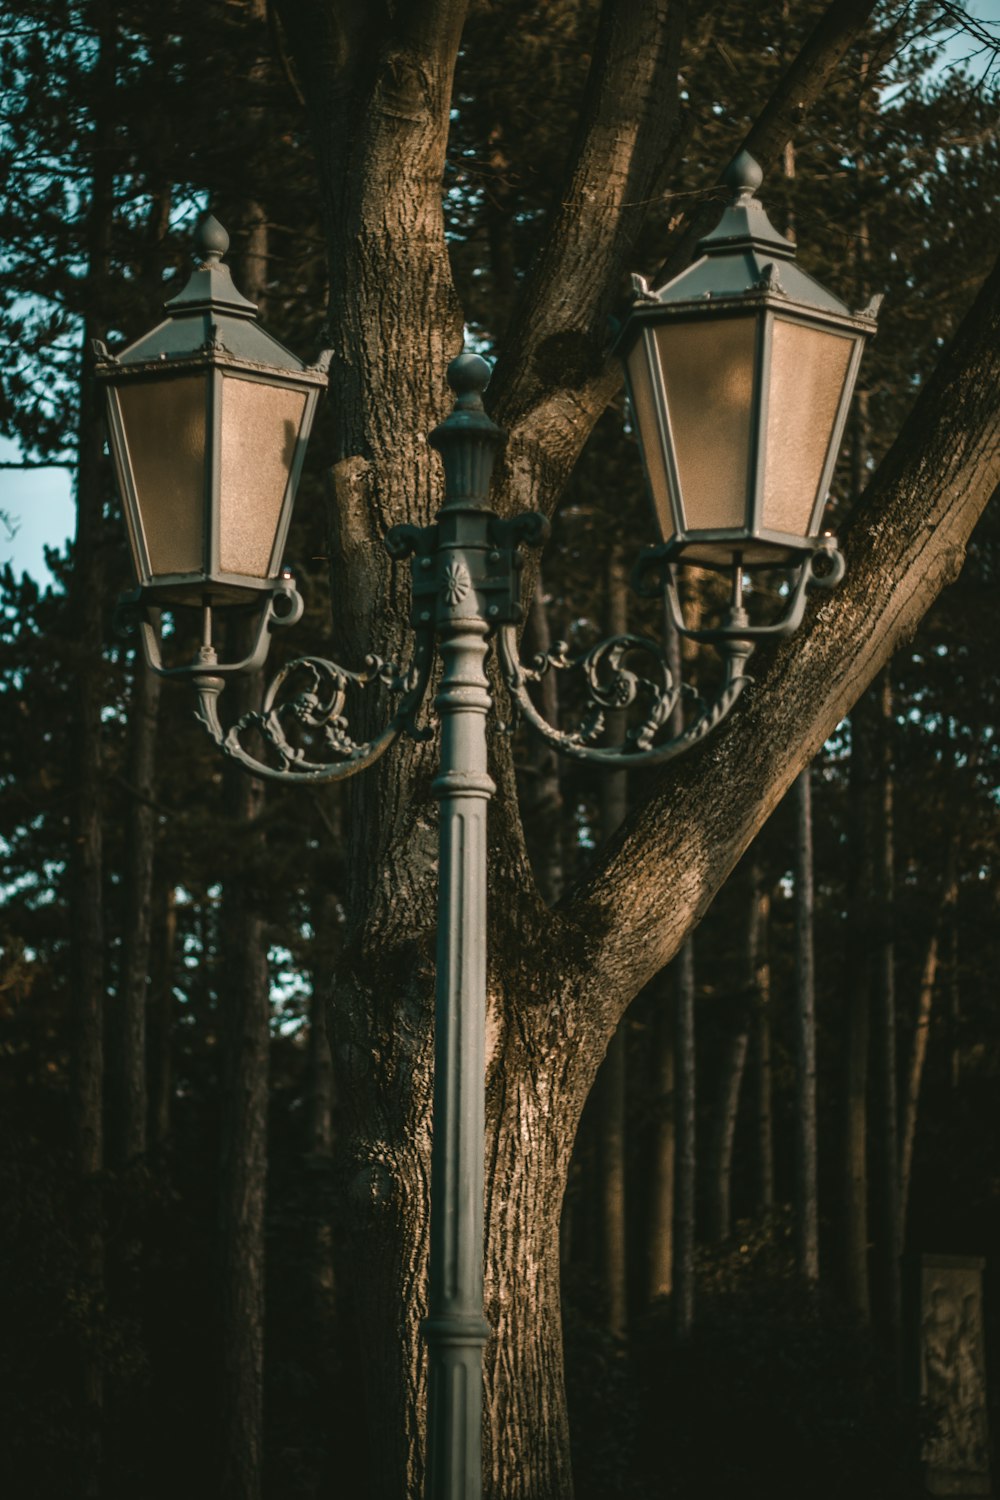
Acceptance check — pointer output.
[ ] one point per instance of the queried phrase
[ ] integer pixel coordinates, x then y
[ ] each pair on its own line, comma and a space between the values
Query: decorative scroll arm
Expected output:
318, 707
610, 685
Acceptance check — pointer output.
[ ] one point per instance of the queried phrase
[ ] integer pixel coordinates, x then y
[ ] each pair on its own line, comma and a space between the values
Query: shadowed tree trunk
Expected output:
87, 591
886, 1155
245, 1042
720, 1155
611, 1080
806, 1182
161, 1018
921, 1033
761, 980
660, 1252
141, 835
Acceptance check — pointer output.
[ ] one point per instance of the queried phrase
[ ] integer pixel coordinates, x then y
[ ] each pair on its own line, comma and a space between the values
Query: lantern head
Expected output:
739, 374
209, 417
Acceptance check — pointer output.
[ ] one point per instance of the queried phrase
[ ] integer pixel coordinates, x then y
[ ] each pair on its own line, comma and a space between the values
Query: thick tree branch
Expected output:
904, 544
629, 113
547, 435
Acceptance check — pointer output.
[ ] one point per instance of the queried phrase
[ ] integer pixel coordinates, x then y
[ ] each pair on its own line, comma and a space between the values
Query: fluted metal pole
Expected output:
455, 1329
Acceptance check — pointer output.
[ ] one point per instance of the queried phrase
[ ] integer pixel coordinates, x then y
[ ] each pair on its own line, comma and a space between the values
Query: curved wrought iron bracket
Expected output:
283, 607
655, 574
318, 708
611, 686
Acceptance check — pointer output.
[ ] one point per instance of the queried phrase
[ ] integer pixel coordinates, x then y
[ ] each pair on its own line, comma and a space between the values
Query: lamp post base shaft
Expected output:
455, 1330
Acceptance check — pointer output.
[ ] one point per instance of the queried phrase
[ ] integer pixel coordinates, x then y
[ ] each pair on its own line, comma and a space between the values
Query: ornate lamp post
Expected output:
740, 372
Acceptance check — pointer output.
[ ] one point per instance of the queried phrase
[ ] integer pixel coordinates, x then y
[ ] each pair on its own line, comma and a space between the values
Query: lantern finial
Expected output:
210, 240
743, 175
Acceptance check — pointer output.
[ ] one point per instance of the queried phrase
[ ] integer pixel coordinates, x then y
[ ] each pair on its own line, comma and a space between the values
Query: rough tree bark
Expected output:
378, 91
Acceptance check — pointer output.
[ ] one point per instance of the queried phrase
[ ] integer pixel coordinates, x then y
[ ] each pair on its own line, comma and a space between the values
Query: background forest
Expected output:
800, 1105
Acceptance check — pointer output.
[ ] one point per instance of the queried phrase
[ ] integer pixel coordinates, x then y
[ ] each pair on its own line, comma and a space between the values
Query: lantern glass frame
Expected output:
210, 337
746, 277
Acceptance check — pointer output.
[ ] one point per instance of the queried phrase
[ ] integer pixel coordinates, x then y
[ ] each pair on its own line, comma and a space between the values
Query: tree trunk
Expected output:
761, 980
141, 836
559, 980
720, 1160
243, 1165
884, 984
161, 1019
246, 1017
87, 589
687, 1161
921, 1033
611, 1080
857, 1015
660, 1256
806, 1182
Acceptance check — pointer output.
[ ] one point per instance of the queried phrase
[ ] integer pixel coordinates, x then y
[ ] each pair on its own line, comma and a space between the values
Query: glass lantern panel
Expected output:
708, 371
647, 422
164, 422
260, 430
808, 370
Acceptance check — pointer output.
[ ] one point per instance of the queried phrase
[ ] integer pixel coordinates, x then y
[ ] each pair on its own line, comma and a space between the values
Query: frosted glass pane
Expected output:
260, 428
164, 424
640, 390
808, 370
708, 373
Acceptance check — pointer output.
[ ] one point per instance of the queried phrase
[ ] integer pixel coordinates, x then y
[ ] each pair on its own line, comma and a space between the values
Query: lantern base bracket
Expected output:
278, 609
819, 564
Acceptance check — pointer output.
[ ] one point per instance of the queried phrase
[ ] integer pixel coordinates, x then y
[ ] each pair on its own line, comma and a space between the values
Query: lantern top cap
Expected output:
210, 285
744, 224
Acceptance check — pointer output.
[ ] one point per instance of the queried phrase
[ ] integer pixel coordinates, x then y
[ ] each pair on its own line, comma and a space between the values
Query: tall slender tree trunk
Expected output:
660, 1252
87, 856
161, 1018
720, 1160
685, 1207
921, 1035
857, 1013
612, 1079
806, 1180
246, 1016
685, 1094
954, 1007
884, 1056
761, 981
141, 834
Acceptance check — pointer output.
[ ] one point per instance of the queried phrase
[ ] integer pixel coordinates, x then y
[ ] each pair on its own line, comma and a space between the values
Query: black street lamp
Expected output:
739, 371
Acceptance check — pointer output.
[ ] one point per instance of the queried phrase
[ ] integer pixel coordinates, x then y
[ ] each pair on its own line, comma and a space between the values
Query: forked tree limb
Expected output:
629, 114
905, 542
548, 428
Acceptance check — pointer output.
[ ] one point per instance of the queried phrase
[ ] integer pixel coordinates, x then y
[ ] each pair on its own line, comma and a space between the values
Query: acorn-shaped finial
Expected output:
210, 239
743, 174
